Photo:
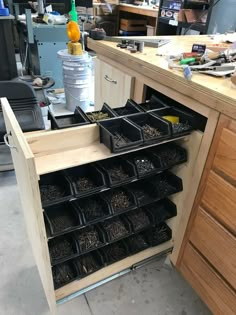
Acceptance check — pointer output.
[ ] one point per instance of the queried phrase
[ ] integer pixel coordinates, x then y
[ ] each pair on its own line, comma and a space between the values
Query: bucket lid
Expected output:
63, 54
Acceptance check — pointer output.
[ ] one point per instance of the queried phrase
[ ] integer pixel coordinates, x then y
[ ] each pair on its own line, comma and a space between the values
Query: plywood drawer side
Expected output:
219, 198
210, 286
216, 244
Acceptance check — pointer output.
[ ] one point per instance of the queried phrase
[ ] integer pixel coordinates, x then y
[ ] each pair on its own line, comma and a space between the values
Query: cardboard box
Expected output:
150, 30
133, 25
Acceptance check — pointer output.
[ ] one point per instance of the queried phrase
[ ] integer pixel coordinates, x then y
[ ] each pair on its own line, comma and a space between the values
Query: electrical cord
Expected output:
191, 25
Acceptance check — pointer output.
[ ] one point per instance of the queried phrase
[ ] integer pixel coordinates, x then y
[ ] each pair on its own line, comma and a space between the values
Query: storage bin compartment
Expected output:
120, 135
103, 114
129, 109
67, 121
54, 188
120, 200
93, 209
136, 243
63, 274
115, 252
116, 228
143, 191
89, 238
169, 154
186, 120
154, 129
166, 184
153, 104
89, 263
118, 171
86, 180
161, 211
62, 248
138, 220
145, 163
62, 218
158, 235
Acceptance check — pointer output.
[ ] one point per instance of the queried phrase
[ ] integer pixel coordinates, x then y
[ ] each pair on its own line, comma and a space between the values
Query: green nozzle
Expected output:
73, 12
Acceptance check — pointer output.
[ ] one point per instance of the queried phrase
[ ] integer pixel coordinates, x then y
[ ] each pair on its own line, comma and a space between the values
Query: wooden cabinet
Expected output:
208, 259
112, 86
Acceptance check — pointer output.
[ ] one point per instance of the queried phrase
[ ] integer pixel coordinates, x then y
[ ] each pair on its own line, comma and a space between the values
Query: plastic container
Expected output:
166, 184
130, 108
116, 229
54, 188
115, 168
115, 252
112, 130
64, 273
153, 104
144, 192
77, 75
138, 220
93, 209
105, 109
158, 235
136, 243
67, 121
62, 218
62, 248
89, 238
88, 264
169, 154
154, 129
120, 200
81, 176
161, 211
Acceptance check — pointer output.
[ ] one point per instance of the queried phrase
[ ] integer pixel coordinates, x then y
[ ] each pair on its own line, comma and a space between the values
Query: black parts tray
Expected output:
130, 108
62, 218
68, 121
62, 248
116, 228
136, 243
85, 175
54, 188
93, 209
64, 273
145, 163
89, 238
118, 171
105, 110
166, 184
158, 235
153, 104
161, 211
89, 263
154, 128
143, 191
187, 121
138, 219
120, 200
115, 252
120, 135
169, 154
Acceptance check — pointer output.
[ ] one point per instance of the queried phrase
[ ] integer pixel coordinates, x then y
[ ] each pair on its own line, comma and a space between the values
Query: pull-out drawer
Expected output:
216, 244
210, 286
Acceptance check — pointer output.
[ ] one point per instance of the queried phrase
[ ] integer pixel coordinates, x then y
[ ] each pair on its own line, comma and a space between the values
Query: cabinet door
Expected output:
208, 254
112, 86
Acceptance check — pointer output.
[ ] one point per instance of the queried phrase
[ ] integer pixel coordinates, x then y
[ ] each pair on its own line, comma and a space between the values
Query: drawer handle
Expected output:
6, 141
109, 79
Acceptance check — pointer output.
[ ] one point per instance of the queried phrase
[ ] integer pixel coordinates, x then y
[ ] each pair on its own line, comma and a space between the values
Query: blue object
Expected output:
187, 73
55, 13
3, 11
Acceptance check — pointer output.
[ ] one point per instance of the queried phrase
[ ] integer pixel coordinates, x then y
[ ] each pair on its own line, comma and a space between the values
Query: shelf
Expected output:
111, 270
61, 149
195, 27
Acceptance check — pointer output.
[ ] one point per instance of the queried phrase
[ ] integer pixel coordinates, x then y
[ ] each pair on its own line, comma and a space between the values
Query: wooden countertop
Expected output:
216, 93
142, 10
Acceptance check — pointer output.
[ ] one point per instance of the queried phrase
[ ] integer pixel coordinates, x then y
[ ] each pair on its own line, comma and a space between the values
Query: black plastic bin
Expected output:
115, 252
85, 180
145, 163
166, 184
118, 171
130, 108
138, 219
54, 188
143, 191
62, 218
93, 209
161, 211
89, 238
154, 129
136, 243
120, 200
64, 273
62, 248
169, 154
89, 263
158, 235
104, 110
120, 135
153, 104
116, 228
68, 121
187, 120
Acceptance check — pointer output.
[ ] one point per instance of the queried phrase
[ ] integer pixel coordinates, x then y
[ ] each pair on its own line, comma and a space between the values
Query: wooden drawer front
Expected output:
211, 288
220, 200
225, 159
216, 244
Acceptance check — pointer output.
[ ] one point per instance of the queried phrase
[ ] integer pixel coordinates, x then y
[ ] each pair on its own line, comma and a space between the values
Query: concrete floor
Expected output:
155, 289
